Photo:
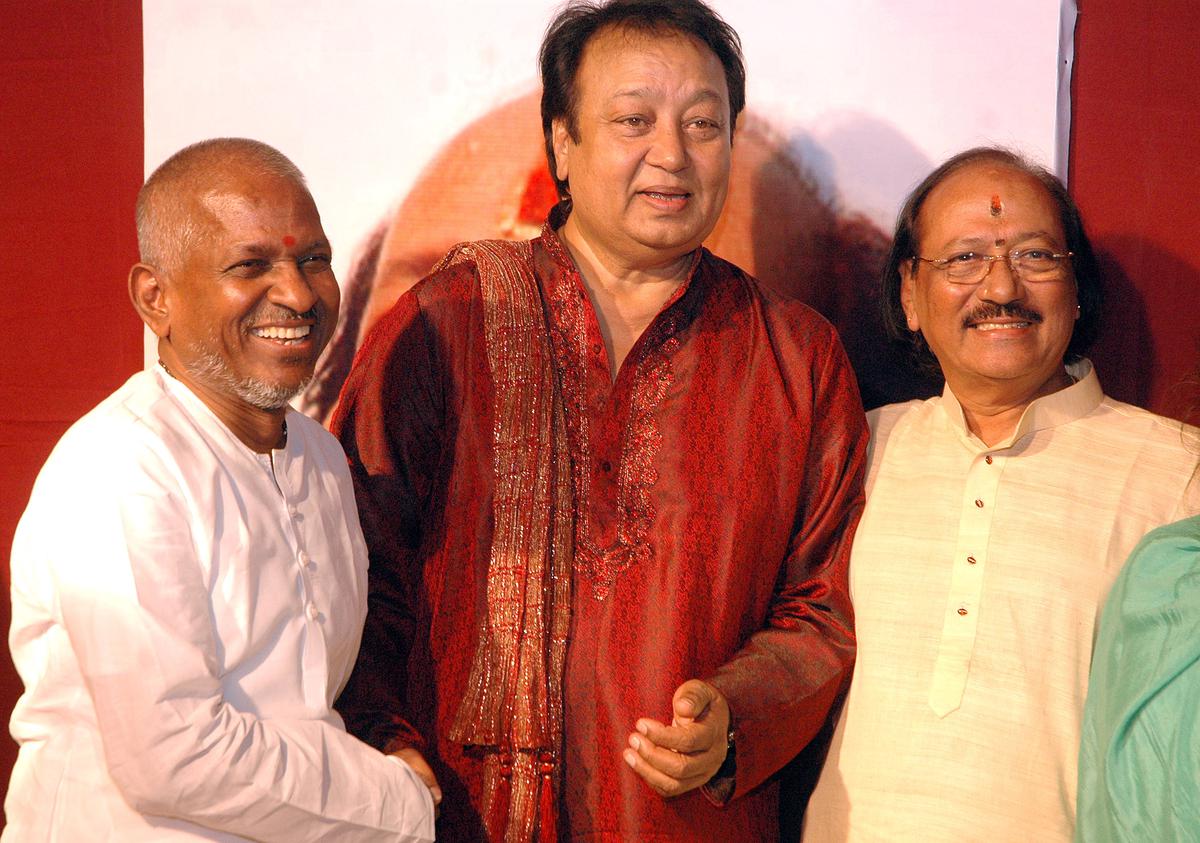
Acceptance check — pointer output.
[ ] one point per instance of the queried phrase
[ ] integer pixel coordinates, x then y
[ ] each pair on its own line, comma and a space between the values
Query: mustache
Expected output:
989, 312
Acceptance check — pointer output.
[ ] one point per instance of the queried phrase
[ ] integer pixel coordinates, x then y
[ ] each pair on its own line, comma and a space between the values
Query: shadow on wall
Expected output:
491, 181
1128, 346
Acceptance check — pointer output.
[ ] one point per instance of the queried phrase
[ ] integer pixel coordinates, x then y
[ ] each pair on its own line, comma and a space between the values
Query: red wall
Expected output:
71, 153
1135, 172
70, 166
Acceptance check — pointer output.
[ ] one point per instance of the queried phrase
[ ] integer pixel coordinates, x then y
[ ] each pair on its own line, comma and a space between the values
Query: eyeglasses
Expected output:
1028, 264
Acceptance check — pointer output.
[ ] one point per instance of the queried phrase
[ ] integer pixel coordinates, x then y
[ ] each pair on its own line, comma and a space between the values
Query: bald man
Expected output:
189, 578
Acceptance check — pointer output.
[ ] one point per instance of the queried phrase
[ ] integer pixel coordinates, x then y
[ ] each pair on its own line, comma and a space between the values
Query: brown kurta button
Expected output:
979, 503
962, 611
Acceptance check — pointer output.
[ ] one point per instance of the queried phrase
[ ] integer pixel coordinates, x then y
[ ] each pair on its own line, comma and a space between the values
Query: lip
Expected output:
665, 196
988, 325
287, 334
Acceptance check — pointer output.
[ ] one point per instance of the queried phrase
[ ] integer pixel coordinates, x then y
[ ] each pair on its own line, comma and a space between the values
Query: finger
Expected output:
692, 699
424, 772
662, 784
675, 765
686, 737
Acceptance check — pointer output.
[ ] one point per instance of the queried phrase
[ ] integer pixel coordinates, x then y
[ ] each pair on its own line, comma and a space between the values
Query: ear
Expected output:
908, 291
562, 142
148, 294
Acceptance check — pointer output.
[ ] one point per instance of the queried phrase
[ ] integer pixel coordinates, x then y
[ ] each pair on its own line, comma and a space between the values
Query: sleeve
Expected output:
1139, 759
136, 608
389, 422
783, 683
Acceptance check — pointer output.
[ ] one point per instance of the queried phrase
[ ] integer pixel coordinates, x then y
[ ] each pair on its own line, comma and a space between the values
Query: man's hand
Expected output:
683, 756
416, 761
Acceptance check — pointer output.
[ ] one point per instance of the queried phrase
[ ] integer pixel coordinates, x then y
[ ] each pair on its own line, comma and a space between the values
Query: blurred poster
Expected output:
417, 126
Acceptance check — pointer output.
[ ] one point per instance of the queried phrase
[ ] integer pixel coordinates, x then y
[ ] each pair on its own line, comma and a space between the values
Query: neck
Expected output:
993, 409
615, 271
625, 296
262, 431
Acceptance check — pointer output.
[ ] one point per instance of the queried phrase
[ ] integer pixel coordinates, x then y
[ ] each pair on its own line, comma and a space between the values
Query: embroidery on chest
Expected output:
641, 441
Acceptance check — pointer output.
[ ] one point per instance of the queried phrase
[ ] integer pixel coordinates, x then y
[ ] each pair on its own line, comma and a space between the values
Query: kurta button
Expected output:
605, 466
971, 560
979, 503
962, 610
292, 511
988, 459
312, 611
303, 557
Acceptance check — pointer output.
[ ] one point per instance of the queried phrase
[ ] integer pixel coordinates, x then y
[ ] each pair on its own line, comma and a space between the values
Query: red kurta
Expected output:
726, 466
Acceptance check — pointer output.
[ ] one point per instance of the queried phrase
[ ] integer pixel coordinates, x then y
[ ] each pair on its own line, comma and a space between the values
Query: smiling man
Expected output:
607, 480
189, 579
998, 515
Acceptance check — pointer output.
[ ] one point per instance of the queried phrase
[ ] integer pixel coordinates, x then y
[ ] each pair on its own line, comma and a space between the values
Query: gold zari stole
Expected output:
513, 705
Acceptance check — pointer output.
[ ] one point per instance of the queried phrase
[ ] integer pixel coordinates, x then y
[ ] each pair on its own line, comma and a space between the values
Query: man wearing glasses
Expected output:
997, 515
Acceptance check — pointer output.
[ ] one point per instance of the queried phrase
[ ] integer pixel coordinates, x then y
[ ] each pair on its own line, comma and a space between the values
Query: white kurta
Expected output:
185, 611
978, 575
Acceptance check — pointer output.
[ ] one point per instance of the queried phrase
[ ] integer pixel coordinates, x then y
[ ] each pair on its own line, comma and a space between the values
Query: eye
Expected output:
1035, 255
634, 121
249, 268
962, 258
313, 264
704, 127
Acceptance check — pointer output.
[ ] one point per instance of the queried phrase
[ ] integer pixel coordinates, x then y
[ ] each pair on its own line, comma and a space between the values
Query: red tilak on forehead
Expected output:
289, 240
996, 207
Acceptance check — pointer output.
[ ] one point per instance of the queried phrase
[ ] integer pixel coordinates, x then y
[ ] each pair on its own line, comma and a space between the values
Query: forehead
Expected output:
244, 204
619, 58
963, 204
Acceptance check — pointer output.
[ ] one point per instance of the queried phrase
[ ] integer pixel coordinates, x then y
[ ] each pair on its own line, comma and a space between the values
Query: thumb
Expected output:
692, 699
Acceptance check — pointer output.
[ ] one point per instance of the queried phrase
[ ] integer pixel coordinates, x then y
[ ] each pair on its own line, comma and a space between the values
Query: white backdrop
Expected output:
362, 93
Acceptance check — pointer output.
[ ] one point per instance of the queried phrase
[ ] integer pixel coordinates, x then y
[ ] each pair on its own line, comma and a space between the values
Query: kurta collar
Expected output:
564, 264
1049, 411
201, 411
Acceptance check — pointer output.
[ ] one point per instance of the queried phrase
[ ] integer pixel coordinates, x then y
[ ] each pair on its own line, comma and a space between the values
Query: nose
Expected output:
1001, 284
291, 287
668, 151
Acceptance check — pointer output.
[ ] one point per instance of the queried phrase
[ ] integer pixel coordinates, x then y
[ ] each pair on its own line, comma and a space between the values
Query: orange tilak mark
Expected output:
289, 240
996, 207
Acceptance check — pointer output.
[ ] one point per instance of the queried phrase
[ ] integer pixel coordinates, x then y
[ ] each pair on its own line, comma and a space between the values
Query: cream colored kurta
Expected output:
978, 575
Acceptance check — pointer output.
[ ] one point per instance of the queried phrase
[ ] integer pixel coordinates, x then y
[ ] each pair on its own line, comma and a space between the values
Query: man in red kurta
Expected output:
608, 481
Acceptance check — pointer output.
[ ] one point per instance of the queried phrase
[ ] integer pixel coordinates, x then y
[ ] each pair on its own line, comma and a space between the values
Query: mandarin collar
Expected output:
1049, 411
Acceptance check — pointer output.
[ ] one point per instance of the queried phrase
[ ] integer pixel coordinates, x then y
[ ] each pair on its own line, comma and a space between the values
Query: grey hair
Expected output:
165, 228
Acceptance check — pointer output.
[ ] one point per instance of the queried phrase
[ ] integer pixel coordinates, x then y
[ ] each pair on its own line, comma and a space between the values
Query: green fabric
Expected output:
1139, 766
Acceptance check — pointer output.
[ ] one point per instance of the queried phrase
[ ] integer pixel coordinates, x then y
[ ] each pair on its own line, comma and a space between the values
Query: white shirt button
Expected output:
312, 611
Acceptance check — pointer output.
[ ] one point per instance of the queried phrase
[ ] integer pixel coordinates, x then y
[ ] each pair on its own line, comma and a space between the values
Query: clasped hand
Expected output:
683, 756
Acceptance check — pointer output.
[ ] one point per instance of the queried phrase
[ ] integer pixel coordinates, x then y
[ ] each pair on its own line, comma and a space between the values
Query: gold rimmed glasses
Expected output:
1028, 264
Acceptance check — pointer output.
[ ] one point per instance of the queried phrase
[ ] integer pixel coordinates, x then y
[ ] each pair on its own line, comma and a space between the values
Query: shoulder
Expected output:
448, 299
132, 419
1163, 452
732, 290
455, 278
1146, 425
125, 449
891, 419
884, 420
315, 442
